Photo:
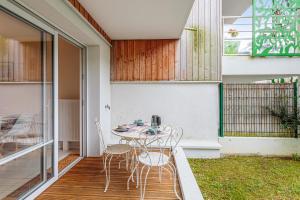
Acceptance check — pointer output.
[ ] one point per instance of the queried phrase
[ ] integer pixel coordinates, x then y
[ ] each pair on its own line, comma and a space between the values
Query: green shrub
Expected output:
296, 157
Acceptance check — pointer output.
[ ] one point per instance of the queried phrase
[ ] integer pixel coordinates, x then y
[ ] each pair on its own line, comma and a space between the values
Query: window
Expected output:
26, 106
261, 28
237, 30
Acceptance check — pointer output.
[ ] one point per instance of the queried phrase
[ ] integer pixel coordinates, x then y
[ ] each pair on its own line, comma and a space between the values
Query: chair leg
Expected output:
137, 176
159, 173
131, 175
170, 173
126, 161
105, 169
173, 168
143, 189
103, 162
141, 182
108, 175
132, 162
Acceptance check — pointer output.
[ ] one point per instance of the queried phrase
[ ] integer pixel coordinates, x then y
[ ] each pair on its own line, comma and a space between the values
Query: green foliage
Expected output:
196, 33
231, 47
296, 157
289, 120
247, 177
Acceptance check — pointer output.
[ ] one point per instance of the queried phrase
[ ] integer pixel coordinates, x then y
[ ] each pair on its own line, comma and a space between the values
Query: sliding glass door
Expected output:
69, 102
26, 106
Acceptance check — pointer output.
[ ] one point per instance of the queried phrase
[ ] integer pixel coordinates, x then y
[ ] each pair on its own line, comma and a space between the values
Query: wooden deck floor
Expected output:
85, 181
67, 161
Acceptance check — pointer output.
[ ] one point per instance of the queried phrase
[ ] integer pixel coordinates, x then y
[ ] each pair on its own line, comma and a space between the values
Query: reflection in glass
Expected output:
69, 64
25, 86
22, 172
26, 107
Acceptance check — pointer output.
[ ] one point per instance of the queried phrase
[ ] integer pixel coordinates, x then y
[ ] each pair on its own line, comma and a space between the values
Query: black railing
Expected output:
247, 109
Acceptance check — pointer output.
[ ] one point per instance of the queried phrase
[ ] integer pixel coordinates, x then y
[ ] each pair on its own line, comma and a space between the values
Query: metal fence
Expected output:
247, 109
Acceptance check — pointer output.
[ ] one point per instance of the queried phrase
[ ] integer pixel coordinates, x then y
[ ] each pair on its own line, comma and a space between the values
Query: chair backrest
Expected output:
173, 139
165, 145
100, 134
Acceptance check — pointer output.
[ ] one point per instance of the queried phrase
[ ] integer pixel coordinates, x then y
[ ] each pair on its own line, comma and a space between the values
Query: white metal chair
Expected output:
160, 157
109, 151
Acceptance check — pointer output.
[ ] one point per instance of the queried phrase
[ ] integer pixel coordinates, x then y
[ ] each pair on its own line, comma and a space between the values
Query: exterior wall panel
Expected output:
195, 57
143, 60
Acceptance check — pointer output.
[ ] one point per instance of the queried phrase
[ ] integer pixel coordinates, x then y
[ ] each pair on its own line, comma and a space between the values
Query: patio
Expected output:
85, 181
173, 87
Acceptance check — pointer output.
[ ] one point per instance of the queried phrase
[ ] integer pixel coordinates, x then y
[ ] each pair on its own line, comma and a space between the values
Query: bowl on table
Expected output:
139, 122
121, 128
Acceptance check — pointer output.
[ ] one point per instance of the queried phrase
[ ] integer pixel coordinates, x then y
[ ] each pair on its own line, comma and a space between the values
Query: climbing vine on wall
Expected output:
276, 28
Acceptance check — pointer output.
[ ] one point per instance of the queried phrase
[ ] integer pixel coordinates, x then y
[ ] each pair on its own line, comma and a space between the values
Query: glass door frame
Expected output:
21, 16
82, 100
29, 16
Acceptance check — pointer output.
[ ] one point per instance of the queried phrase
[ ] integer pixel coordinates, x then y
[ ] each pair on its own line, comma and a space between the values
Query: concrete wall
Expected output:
98, 95
260, 146
248, 69
194, 107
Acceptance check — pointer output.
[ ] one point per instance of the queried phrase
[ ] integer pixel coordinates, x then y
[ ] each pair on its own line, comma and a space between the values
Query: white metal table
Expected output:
138, 134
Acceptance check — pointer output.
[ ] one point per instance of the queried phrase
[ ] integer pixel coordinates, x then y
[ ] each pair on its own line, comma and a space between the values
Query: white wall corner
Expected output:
201, 148
93, 99
188, 184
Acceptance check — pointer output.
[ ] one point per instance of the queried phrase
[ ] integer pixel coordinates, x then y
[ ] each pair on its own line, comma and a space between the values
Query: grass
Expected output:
247, 178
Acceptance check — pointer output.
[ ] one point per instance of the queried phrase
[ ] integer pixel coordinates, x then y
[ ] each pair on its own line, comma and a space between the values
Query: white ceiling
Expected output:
140, 19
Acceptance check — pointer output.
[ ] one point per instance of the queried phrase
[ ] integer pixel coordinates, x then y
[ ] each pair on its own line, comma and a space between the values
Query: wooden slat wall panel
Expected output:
171, 60
143, 60
189, 49
195, 42
195, 57
131, 60
154, 60
148, 61
202, 34
159, 60
165, 73
136, 72
20, 61
183, 54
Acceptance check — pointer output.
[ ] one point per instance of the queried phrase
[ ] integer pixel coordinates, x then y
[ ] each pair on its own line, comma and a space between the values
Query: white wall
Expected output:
20, 98
260, 146
98, 95
93, 98
105, 115
263, 66
251, 78
194, 107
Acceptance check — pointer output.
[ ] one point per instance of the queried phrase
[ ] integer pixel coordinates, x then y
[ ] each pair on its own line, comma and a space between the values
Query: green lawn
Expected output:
247, 178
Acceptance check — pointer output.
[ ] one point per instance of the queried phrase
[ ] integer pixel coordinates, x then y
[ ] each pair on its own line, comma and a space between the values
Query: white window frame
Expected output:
20, 10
